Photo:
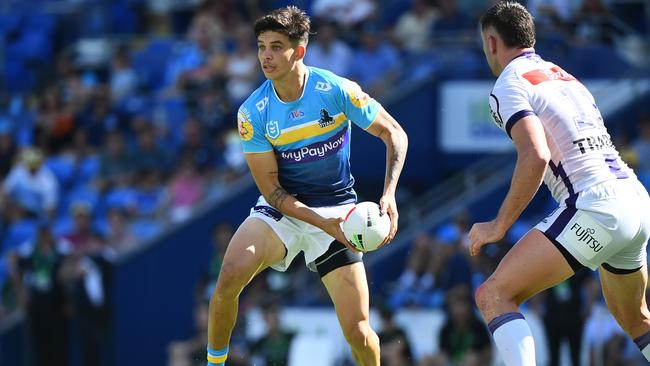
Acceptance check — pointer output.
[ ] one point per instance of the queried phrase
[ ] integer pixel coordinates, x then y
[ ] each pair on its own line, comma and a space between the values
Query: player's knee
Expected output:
484, 295
231, 280
359, 334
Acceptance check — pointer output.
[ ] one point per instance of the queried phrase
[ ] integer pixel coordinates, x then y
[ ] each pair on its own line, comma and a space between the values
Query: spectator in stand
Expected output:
185, 190
328, 51
376, 63
413, 29
147, 155
202, 60
552, 14
435, 265
242, 70
36, 271
123, 79
84, 239
8, 149
195, 145
115, 164
464, 339
100, 118
273, 347
54, 121
119, 235
565, 312
32, 185
395, 345
594, 23
452, 27
348, 14
191, 352
641, 147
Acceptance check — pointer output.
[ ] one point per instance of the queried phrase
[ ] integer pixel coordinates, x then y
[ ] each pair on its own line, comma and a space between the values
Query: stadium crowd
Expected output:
117, 123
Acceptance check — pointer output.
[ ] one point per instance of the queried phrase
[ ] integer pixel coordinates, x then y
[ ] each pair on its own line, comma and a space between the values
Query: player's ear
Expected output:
301, 50
492, 44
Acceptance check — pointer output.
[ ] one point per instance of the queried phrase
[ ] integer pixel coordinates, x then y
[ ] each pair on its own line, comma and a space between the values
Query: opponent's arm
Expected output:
391, 133
264, 168
533, 156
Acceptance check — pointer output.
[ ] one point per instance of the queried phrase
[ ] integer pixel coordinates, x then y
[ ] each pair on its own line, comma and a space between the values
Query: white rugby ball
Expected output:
365, 228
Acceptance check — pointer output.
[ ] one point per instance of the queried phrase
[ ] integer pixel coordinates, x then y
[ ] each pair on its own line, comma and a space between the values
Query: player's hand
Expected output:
332, 226
387, 205
483, 233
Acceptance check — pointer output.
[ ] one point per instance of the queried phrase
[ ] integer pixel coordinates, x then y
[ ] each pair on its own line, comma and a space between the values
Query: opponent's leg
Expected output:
254, 247
625, 297
348, 288
532, 265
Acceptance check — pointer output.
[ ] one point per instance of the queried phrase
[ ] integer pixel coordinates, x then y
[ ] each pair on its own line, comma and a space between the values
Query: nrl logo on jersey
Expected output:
325, 118
272, 129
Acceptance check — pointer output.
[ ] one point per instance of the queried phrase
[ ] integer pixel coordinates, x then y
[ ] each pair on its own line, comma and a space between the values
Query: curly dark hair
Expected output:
290, 21
513, 23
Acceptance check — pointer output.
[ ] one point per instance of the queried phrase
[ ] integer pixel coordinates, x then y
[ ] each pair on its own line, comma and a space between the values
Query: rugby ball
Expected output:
365, 228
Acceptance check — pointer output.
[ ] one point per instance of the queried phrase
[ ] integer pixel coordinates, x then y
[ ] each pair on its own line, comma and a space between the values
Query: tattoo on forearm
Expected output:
395, 163
277, 197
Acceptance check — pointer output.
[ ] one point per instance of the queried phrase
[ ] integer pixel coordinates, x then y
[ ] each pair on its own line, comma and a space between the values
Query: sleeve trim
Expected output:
516, 118
257, 152
375, 118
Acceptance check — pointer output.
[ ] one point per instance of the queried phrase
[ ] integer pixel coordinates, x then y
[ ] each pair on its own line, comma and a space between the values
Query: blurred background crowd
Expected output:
117, 128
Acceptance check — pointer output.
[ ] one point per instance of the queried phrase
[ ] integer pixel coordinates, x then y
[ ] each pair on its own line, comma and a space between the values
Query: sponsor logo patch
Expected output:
494, 110
325, 118
262, 104
323, 86
268, 212
587, 236
357, 96
315, 151
244, 125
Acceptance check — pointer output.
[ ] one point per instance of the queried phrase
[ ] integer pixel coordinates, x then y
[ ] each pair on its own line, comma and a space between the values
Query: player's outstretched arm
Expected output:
264, 168
391, 133
533, 156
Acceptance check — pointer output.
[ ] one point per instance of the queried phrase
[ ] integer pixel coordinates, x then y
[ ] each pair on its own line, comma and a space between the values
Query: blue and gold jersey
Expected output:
309, 136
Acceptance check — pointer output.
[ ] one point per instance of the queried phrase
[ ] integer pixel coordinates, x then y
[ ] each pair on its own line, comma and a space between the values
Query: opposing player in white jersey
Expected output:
603, 221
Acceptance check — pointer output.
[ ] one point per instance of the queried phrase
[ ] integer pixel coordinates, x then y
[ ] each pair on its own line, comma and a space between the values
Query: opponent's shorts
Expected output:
322, 252
609, 226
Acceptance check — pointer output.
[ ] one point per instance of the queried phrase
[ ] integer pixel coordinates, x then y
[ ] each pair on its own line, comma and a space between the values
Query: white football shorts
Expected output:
298, 235
609, 226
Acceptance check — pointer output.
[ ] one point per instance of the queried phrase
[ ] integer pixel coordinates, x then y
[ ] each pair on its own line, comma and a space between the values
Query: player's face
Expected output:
276, 54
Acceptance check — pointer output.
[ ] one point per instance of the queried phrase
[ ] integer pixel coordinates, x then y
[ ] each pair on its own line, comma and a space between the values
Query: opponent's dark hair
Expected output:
290, 21
513, 23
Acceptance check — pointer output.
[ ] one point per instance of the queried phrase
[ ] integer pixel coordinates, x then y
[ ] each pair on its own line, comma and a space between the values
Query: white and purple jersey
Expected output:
582, 153
309, 136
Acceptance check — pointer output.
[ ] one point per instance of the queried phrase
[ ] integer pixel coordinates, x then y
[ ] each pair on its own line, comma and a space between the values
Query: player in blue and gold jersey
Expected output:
295, 131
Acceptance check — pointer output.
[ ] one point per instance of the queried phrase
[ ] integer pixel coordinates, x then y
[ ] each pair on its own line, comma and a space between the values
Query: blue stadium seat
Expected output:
150, 63
63, 168
146, 228
19, 232
62, 225
87, 169
81, 193
122, 198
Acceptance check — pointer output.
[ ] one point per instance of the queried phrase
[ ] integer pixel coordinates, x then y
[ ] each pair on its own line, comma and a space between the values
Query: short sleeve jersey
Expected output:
582, 153
310, 136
